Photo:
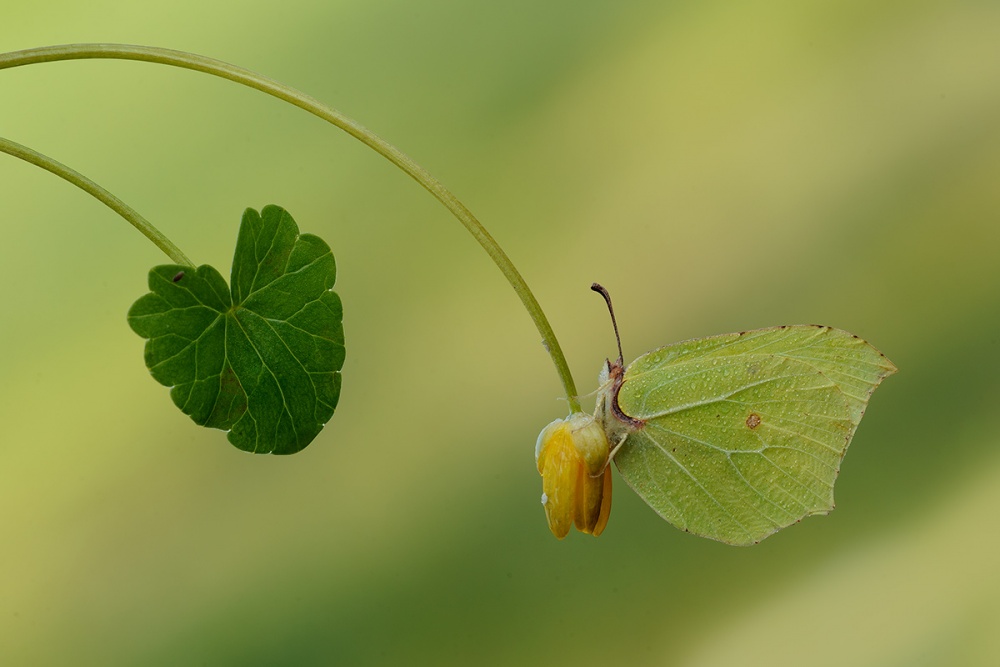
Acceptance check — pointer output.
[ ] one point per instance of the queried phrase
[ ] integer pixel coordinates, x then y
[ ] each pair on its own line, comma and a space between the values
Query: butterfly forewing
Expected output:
744, 433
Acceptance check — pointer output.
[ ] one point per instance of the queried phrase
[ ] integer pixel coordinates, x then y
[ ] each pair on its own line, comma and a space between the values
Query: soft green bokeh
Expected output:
718, 166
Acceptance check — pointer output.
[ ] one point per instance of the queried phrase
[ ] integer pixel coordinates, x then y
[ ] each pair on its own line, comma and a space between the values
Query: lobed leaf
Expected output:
260, 358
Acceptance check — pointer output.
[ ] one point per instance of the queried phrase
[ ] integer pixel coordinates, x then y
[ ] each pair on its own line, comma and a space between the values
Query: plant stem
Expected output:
102, 195
317, 108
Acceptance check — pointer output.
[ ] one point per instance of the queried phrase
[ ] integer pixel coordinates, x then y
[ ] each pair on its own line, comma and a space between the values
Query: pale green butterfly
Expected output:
731, 437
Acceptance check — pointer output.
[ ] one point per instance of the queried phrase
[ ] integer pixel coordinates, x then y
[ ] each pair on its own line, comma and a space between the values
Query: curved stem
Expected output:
388, 151
102, 195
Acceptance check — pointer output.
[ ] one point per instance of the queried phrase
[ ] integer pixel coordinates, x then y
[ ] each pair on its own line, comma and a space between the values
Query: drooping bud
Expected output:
572, 457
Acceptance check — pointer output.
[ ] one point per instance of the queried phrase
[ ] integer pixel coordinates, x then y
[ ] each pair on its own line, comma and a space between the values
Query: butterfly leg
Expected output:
614, 450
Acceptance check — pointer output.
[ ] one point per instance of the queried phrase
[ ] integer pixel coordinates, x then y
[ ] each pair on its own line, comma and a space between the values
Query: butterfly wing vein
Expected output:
745, 433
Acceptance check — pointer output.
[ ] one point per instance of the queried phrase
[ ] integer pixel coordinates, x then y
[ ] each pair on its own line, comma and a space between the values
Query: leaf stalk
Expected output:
308, 103
99, 193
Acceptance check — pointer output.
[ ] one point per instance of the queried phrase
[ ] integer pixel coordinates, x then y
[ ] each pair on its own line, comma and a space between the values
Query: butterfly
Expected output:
729, 437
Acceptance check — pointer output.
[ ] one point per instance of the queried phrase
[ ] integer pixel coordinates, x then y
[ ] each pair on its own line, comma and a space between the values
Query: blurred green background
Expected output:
718, 166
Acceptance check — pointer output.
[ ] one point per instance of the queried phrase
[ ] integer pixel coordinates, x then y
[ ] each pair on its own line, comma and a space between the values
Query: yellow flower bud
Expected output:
572, 457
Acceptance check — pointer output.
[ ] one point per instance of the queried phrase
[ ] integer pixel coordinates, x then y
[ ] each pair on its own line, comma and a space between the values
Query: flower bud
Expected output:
572, 457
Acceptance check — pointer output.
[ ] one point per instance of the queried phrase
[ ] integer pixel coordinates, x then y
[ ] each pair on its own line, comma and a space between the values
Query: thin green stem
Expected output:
102, 195
292, 96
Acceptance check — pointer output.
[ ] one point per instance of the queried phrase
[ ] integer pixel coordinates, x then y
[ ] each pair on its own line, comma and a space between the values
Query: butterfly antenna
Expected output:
599, 288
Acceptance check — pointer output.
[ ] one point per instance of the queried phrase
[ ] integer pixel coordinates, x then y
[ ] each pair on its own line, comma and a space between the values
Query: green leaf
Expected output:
742, 435
261, 359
